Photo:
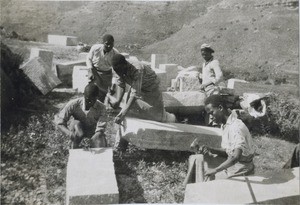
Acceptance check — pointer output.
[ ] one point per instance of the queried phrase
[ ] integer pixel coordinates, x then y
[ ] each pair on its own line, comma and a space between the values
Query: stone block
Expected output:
45, 55
157, 59
91, 177
168, 136
65, 70
231, 82
281, 187
82, 55
80, 78
126, 55
185, 103
162, 75
188, 81
171, 71
40, 74
62, 40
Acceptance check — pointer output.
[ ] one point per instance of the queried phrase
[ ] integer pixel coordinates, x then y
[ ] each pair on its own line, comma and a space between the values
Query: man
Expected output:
237, 143
144, 96
89, 119
99, 63
212, 75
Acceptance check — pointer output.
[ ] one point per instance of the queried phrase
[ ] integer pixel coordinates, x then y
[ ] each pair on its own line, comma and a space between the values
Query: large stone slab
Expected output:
157, 59
279, 188
45, 55
168, 136
62, 40
64, 71
80, 78
91, 177
189, 102
40, 74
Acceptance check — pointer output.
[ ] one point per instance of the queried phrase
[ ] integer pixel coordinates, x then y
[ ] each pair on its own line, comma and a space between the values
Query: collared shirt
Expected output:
91, 119
140, 77
98, 59
236, 135
211, 72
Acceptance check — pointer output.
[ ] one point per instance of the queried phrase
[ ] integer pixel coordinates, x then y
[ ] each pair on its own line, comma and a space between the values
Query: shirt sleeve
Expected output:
239, 140
218, 72
64, 115
89, 58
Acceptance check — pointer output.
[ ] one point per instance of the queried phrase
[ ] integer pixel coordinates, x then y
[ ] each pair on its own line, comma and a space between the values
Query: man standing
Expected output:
212, 75
99, 63
144, 96
237, 143
89, 119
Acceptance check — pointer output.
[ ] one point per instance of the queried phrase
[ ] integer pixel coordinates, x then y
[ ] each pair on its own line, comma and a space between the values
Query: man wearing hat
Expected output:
99, 63
144, 96
212, 75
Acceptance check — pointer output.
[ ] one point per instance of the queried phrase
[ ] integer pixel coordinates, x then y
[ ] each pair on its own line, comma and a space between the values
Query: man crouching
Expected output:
89, 119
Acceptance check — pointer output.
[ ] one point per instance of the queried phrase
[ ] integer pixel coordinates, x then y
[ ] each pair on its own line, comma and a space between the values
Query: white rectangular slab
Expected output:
80, 78
157, 59
168, 136
62, 40
278, 188
91, 177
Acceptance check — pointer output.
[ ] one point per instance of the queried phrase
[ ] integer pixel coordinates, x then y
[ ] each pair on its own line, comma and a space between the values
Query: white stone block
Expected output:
171, 71
168, 136
91, 177
65, 70
45, 55
278, 188
157, 59
230, 83
80, 78
63, 40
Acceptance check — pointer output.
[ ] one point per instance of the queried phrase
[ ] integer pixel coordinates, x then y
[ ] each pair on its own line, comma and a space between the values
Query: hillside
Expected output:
256, 38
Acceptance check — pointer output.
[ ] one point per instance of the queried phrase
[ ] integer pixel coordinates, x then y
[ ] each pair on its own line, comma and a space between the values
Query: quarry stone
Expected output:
82, 55
281, 187
231, 82
91, 177
64, 71
80, 78
188, 102
63, 40
40, 74
45, 55
162, 75
168, 136
171, 71
157, 59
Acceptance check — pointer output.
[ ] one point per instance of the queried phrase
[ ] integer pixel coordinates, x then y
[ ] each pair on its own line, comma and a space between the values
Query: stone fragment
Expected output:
91, 177
168, 136
80, 78
232, 81
171, 71
40, 74
45, 55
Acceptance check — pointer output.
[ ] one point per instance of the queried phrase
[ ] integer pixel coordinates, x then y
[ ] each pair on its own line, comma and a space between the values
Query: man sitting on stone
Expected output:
144, 96
89, 119
99, 63
237, 151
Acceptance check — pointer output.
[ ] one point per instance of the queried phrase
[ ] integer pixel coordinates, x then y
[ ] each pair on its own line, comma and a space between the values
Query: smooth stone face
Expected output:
45, 55
80, 78
62, 40
157, 59
91, 177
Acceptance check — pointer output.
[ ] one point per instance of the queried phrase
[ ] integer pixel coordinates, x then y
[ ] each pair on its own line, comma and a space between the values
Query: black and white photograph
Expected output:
150, 102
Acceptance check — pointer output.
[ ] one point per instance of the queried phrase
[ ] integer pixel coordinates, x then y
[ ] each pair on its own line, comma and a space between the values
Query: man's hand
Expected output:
202, 86
210, 172
204, 150
112, 101
119, 118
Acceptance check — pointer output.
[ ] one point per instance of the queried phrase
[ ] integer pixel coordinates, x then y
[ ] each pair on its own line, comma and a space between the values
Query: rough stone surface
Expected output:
80, 78
82, 55
40, 74
91, 177
280, 188
171, 71
65, 70
188, 102
168, 136
62, 40
45, 55
157, 59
